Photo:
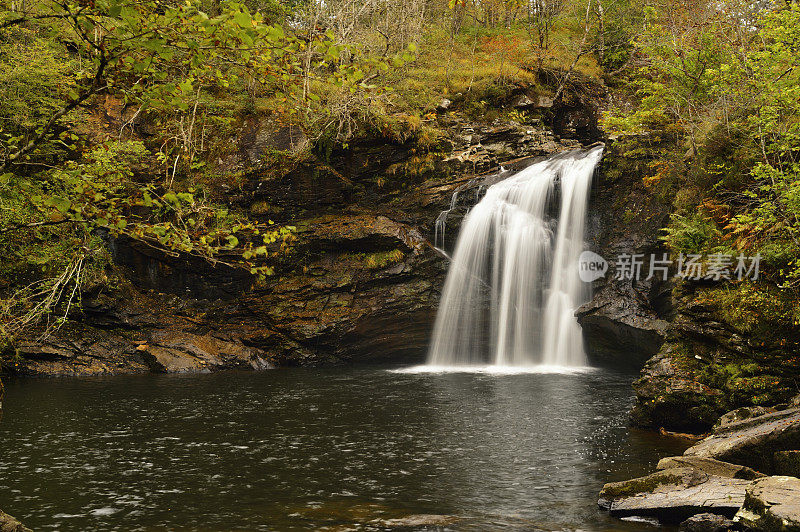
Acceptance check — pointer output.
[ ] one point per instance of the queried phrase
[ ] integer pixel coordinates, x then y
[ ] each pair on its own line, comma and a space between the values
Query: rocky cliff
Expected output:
361, 282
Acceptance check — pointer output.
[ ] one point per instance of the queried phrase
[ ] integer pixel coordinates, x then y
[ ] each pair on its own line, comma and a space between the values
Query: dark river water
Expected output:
340, 449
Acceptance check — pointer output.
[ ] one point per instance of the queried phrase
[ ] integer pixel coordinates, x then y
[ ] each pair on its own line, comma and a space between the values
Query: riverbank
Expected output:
743, 476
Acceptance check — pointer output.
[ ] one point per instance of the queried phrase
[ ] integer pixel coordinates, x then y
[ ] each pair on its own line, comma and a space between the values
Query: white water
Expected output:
513, 286
496, 370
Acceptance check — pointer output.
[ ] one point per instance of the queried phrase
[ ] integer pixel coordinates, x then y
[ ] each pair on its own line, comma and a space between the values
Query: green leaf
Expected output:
61, 204
243, 19
114, 9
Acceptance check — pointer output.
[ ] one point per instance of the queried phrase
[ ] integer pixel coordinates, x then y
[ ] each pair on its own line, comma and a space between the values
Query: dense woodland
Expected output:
707, 92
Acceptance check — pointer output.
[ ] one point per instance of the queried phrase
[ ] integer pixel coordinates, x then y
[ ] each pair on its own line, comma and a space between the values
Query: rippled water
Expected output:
346, 449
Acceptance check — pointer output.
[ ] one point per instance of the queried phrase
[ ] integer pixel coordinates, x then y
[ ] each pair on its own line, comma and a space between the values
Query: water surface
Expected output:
340, 449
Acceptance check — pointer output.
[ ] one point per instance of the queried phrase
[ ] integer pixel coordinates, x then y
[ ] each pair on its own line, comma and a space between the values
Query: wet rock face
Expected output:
625, 323
357, 287
668, 395
169, 352
367, 291
707, 367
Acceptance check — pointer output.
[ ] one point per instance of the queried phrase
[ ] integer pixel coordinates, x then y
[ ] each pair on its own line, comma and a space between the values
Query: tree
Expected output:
717, 88
541, 17
160, 59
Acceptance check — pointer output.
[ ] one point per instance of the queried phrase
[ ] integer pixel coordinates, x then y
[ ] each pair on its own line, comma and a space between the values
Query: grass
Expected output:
481, 61
478, 67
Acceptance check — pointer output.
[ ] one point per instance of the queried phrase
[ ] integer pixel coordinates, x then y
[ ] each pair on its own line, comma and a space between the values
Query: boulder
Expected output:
753, 442
668, 395
672, 495
771, 504
707, 523
9, 524
544, 102
710, 466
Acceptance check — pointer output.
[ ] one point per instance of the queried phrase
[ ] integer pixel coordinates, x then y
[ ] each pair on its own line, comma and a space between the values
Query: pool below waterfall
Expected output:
298, 449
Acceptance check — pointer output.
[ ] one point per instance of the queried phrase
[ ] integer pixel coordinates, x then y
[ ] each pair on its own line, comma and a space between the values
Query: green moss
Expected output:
376, 260
264, 208
634, 486
753, 308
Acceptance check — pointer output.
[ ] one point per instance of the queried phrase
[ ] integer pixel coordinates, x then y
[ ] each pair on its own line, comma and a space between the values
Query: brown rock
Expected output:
190, 353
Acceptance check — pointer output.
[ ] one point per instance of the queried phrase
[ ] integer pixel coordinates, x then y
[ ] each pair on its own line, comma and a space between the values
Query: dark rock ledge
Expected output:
721, 483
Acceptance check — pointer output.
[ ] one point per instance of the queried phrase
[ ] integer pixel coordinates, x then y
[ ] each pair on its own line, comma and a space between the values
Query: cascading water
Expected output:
513, 284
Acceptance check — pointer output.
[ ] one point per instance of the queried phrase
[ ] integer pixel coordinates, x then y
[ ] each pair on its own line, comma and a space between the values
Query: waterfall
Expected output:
512, 287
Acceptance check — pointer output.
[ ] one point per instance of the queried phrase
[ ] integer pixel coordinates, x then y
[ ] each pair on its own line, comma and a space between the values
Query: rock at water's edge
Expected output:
772, 504
710, 466
667, 395
9, 524
741, 414
753, 442
707, 523
673, 495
